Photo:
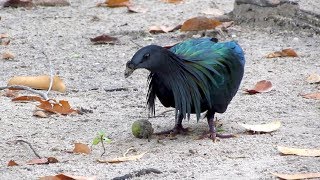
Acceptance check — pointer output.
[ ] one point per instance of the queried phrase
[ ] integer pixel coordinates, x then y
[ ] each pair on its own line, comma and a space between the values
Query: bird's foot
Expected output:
213, 136
178, 129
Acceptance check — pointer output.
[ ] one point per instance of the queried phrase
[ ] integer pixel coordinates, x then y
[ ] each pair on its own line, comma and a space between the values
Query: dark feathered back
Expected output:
202, 75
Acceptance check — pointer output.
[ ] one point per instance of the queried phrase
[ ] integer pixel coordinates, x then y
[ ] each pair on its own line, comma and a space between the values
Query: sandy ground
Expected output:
63, 34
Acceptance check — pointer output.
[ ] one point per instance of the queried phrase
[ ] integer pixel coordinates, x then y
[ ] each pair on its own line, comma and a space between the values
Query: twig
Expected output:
138, 173
104, 149
34, 151
42, 94
117, 89
51, 74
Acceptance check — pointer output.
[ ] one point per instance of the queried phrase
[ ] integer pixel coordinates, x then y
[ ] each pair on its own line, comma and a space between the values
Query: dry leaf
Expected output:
123, 159
18, 3
7, 55
137, 9
12, 163
199, 23
313, 78
299, 152
163, 29
115, 3
39, 113
81, 148
62, 107
67, 177
104, 39
284, 53
38, 82
297, 176
315, 95
38, 161
260, 87
28, 98
52, 2
172, 1
265, 128
52, 160
5, 42
213, 12
4, 36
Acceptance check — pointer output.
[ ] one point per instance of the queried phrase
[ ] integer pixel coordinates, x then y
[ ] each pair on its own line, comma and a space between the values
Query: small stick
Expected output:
34, 151
51, 74
104, 149
138, 173
42, 94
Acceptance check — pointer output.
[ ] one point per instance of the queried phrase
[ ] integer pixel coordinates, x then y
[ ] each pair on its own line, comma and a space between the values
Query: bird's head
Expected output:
151, 57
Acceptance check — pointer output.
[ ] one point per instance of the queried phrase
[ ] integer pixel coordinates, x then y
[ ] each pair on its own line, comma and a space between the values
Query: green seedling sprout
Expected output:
101, 138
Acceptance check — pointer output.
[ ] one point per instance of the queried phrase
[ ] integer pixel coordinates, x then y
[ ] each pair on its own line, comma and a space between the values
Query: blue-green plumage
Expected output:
194, 76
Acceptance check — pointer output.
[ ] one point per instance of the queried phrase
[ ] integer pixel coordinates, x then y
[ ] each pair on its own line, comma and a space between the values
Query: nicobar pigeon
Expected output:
193, 76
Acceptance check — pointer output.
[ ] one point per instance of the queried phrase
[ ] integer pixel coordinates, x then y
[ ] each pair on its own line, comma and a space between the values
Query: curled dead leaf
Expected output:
7, 55
27, 98
67, 177
39, 113
265, 128
284, 53
38, 82
299, 152
315, 96
297, 176
173, 1
199, 23
137, 9
163, 29
52, 160
260, 87
4, 36
81, 148
115, 3
123, 159
313, 78
104, 39
62, 107
12, 163
18, 3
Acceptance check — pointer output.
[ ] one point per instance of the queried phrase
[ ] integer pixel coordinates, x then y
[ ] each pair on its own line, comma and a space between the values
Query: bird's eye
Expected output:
146, 56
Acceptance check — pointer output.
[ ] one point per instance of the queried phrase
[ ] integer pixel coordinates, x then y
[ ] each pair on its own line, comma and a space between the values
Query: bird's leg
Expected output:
178, 128
212, 134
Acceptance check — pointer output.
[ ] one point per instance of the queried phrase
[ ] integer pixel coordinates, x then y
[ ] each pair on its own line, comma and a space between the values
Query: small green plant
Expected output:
101, 138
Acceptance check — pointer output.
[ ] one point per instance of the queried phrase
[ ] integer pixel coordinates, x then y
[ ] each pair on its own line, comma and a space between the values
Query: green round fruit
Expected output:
142, 129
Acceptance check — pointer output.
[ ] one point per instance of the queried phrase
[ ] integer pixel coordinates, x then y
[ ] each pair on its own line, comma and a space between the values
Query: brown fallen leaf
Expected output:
27, 98
12, 163
163, 29
297, 176
5, 42
137, 9
62, 107
18, 3
284, 53
199, 23
38, 161
7, 55
38, 82
299, 152
4, 36
265, 128
313, 78
52, 160
51, 2
67, 177
173, 1
315, 96
123, 159
81, 148
39, 113
115, 3
104, 39
260, 87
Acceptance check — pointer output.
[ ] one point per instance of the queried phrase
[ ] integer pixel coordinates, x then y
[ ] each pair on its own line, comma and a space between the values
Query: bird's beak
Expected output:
129, 69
